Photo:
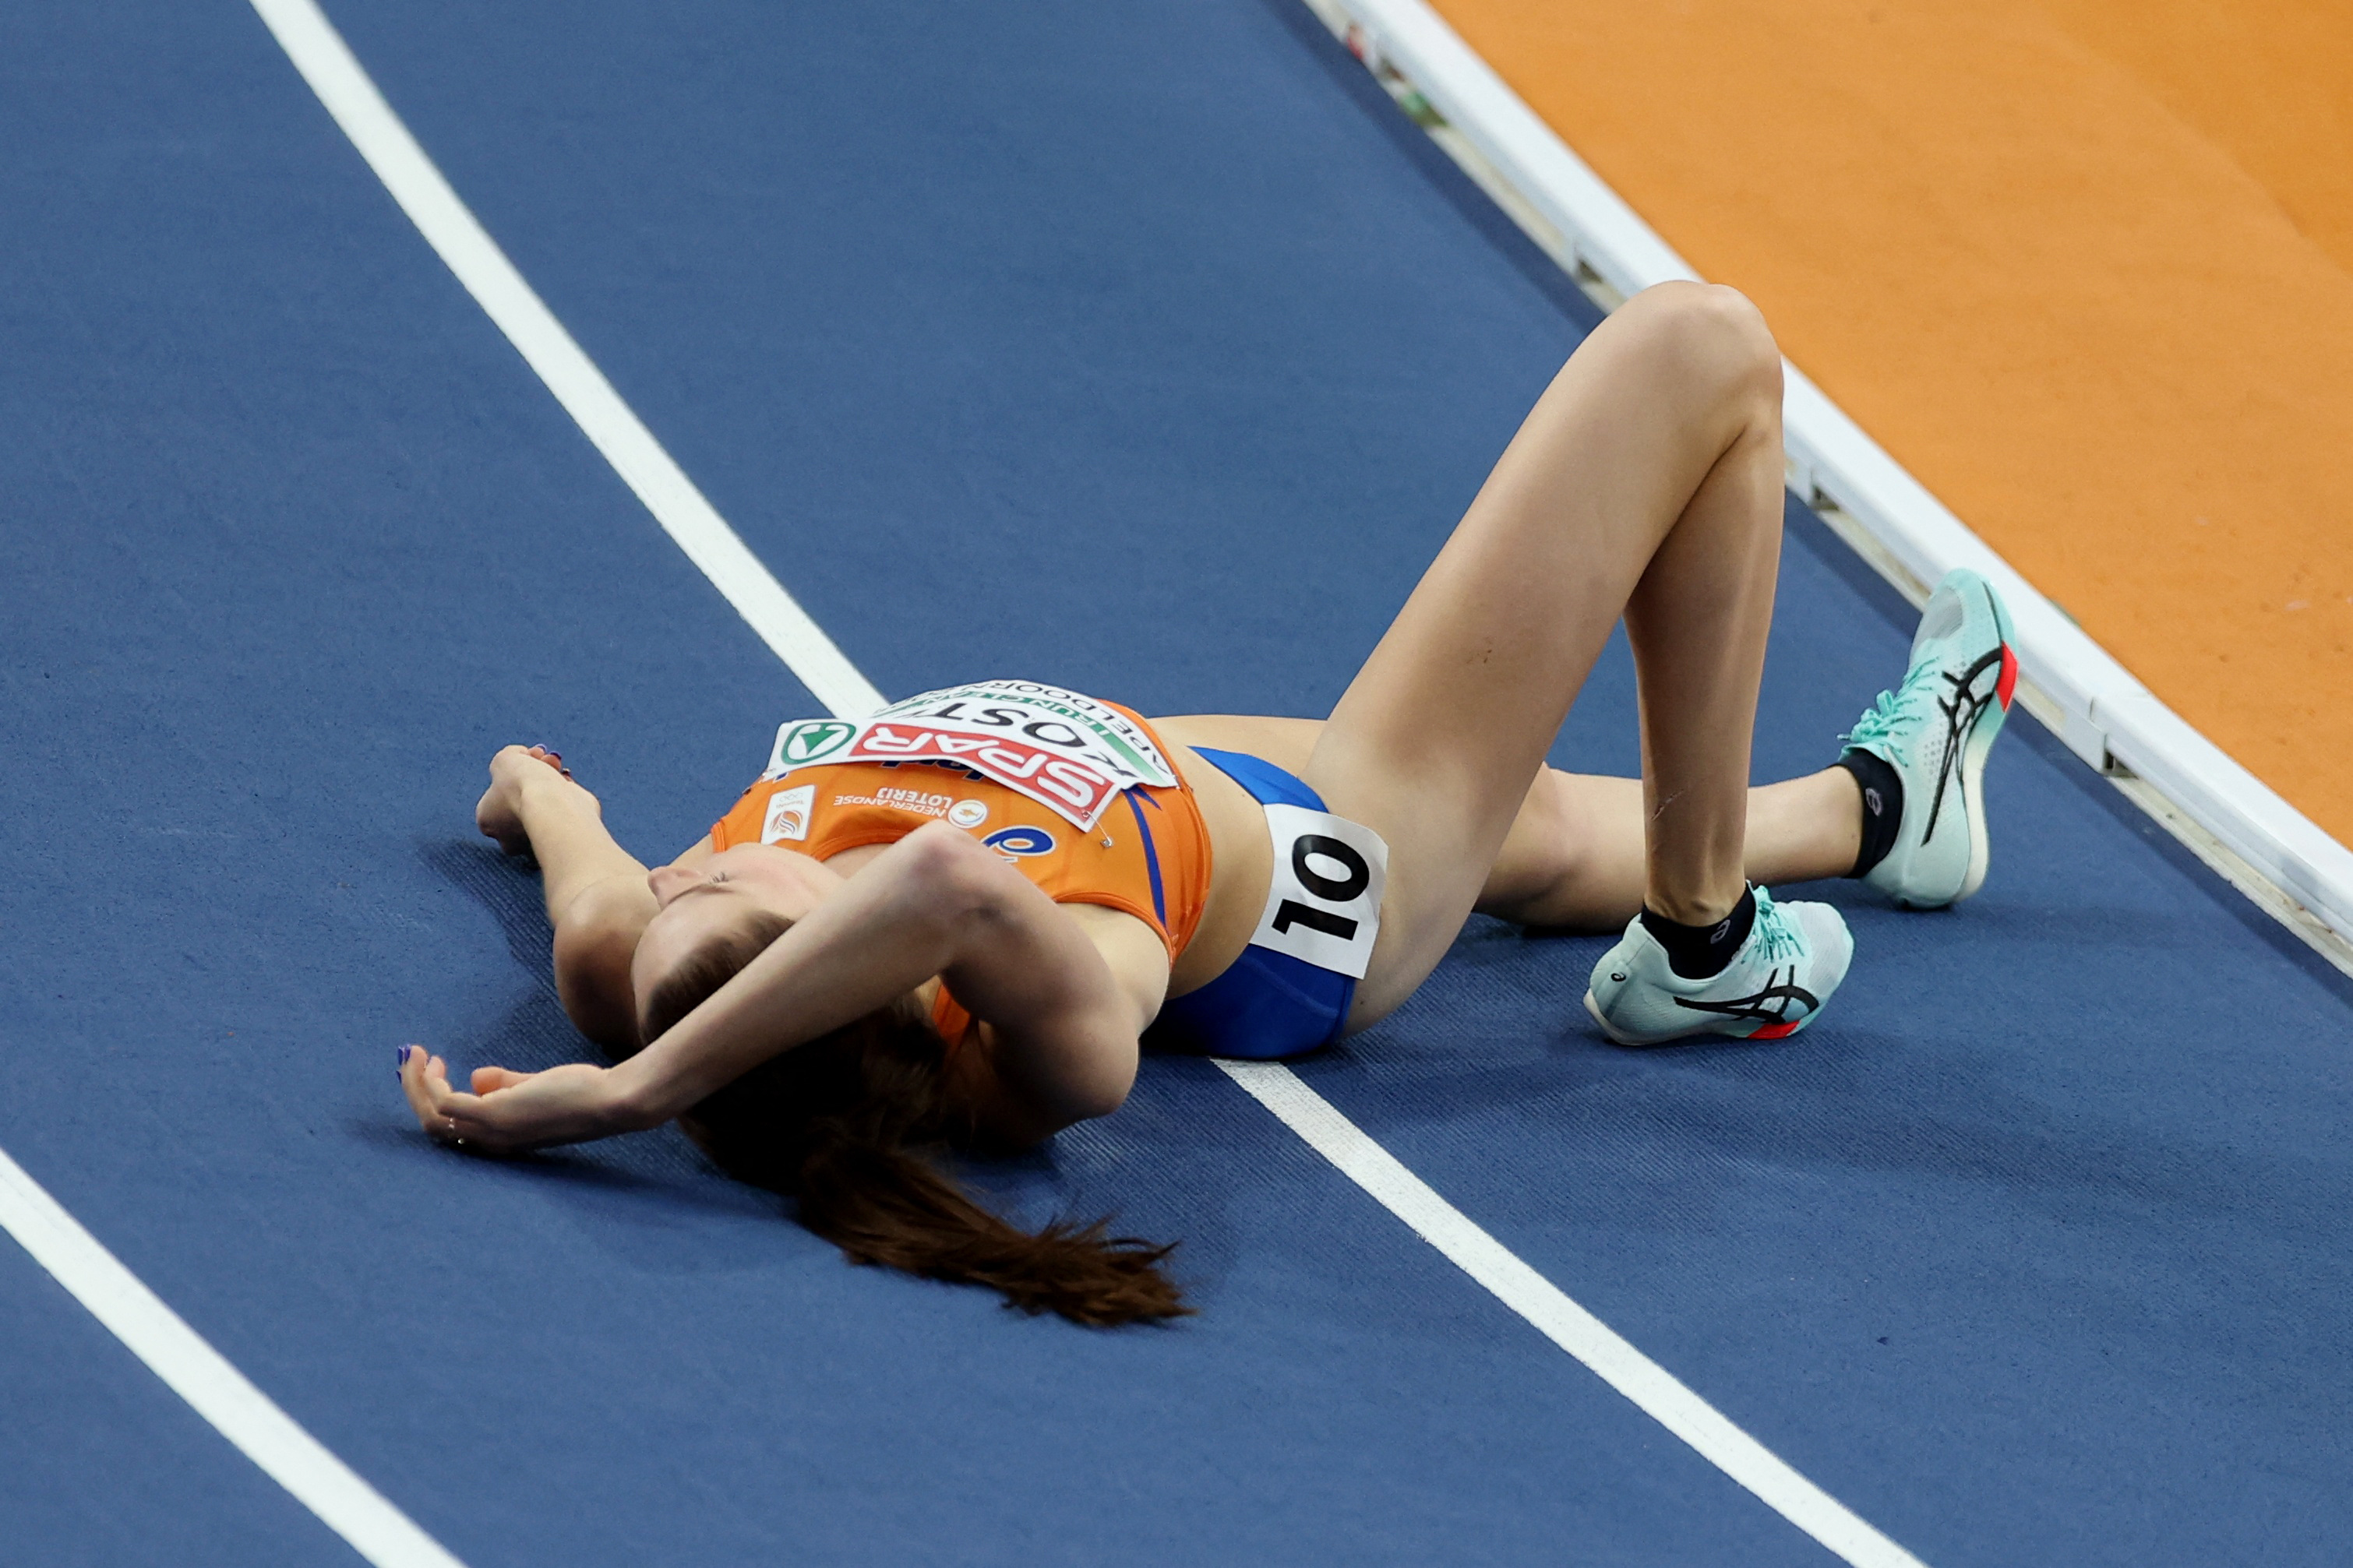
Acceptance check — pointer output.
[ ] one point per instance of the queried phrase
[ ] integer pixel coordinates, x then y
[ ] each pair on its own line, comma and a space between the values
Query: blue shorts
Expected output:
1267, 1004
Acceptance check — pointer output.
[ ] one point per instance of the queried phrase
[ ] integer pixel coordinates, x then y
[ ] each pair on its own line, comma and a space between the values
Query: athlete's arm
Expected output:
1008, 1075
594, 889
935, 902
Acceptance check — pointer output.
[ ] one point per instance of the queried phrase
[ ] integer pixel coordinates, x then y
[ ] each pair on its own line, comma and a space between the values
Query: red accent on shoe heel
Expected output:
1777, 1031
2008, 681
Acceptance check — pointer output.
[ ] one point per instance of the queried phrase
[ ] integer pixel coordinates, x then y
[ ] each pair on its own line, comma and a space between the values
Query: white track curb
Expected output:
2105, 715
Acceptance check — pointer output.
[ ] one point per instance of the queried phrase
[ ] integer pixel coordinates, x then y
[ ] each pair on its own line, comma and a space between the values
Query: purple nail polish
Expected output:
401, 1057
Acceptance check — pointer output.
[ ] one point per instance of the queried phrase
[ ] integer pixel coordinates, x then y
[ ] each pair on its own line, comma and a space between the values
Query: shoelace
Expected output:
1773, 936
1892, 717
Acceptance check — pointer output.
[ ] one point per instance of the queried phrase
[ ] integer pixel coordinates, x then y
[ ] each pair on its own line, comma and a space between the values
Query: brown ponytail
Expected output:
850, 1124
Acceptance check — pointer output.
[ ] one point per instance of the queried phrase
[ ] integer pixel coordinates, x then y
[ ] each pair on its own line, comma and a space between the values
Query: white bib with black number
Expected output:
1325, 903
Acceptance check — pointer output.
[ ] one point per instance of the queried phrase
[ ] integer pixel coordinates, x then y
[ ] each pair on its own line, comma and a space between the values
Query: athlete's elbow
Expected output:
1092, 1107
1102, 1085
952, 882
1106, 1089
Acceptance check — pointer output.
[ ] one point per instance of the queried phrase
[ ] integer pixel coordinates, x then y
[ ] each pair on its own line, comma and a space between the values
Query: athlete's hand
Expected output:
508, 1111
513, 769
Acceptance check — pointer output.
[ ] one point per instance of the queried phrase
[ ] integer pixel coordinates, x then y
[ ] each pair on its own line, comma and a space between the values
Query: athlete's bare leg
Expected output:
1575, 854
1646, 483
1574, 857
595, 890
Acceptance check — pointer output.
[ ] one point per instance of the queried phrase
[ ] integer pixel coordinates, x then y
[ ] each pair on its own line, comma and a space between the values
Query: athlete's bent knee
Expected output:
1715, 335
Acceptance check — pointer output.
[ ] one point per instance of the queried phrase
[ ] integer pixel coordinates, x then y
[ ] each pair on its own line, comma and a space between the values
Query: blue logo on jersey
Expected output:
1019, 840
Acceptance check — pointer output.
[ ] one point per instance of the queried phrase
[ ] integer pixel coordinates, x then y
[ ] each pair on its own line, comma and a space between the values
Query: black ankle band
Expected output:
1882, 808
1696, 953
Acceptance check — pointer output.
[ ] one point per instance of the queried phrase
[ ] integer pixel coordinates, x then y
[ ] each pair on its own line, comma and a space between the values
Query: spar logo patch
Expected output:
1075, 789
1021, 840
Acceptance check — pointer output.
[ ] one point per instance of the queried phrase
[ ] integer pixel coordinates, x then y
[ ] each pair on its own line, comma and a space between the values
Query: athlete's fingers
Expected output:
507, 1110
437, 1091
416, 1085
494, 1123
424, 1078
463, 1120
443, 1112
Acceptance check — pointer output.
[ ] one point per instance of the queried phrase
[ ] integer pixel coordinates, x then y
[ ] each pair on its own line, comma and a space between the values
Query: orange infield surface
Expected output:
2085, 266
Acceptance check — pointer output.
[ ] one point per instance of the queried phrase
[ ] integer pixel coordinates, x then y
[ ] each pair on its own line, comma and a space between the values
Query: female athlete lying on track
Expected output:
958, 921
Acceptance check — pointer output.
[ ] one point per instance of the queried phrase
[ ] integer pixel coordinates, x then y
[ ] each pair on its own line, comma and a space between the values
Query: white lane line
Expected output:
200, 1375
326, 63
203, 1377
1657, 1391
337, 77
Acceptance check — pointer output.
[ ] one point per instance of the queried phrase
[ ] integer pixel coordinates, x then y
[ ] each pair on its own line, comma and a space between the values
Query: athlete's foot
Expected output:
499, 813
1778, 980
1932, 736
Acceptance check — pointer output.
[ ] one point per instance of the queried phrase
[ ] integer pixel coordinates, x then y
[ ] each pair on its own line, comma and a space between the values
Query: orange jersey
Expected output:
1146, 854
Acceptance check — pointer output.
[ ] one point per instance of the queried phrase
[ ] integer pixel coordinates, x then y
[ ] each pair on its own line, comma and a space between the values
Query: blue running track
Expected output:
1143, 348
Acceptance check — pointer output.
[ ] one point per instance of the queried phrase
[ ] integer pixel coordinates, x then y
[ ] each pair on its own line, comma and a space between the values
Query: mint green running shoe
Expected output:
1795, 956
1935, 732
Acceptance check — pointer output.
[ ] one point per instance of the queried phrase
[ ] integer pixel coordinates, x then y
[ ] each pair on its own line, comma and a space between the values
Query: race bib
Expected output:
1325, 903
1067, 752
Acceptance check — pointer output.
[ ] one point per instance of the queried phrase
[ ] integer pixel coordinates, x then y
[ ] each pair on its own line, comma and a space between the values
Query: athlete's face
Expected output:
718, 899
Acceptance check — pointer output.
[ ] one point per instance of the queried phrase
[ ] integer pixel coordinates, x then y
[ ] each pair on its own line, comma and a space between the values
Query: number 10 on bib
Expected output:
1324, 904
